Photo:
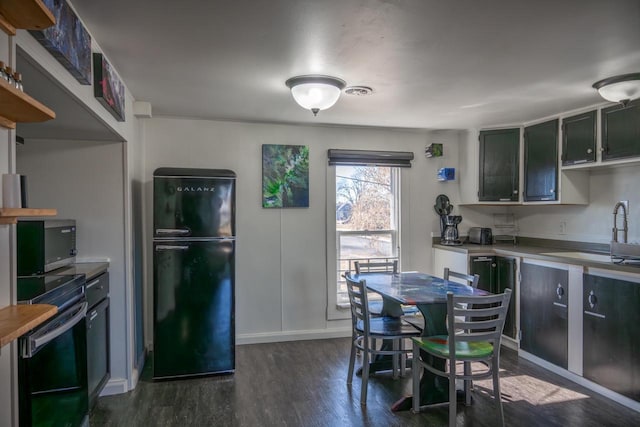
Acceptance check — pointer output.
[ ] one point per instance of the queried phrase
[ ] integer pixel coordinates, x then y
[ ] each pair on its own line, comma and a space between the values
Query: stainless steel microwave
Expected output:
44, 245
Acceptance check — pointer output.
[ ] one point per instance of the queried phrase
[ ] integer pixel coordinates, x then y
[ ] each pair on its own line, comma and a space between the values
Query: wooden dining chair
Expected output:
389, 267
469, 279
366, 330
481, 322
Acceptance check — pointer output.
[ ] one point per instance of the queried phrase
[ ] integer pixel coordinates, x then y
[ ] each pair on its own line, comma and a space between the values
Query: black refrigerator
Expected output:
193, 272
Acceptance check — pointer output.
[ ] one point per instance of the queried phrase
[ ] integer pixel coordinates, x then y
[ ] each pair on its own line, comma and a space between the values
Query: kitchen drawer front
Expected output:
97, 289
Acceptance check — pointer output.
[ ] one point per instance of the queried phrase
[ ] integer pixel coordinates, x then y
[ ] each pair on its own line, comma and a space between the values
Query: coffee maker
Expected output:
450, 235
448, 223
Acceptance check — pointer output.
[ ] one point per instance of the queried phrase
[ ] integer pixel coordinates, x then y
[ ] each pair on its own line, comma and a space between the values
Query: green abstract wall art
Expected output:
285, 176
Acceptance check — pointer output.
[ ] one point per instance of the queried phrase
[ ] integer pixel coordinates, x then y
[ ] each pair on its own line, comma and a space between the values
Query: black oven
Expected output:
52, 365
44, 245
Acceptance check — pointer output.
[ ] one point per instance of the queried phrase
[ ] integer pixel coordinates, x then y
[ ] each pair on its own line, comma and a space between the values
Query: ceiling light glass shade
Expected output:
314, 92
623, 88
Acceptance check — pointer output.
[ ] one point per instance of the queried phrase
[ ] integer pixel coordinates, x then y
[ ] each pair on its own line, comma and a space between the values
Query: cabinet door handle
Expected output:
93, 283
593, 300
598, 315
559, 304
589, 151
559, 291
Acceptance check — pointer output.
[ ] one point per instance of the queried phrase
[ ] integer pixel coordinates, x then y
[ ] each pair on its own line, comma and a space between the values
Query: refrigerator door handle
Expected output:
172, 247
173, 231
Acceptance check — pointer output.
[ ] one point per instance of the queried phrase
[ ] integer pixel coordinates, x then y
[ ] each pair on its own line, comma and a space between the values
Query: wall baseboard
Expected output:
115, 386
281, 336
137, 371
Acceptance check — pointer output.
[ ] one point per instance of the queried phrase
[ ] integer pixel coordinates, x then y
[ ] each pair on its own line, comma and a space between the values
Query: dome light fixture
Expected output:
622, 88
315, 92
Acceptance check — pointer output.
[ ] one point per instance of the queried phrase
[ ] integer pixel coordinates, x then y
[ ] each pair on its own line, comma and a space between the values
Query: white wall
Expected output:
281, 253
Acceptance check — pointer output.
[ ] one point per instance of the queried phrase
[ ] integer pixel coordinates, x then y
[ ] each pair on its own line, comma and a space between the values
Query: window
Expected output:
366, 219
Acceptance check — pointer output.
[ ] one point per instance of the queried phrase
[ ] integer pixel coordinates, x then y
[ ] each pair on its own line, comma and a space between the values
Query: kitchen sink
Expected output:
581, 255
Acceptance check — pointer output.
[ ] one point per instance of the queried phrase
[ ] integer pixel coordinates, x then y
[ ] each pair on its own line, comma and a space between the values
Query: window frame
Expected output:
335, 309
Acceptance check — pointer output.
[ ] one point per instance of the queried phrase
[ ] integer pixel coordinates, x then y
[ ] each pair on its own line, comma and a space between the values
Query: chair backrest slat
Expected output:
376, 267
488, 323
358, 302
468, 279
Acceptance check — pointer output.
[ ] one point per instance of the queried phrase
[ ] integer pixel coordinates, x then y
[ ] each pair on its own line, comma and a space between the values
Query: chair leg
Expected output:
403, 360
395, 366
452, 393
467, 384
365, 373
496, 388
352, 360
415, 376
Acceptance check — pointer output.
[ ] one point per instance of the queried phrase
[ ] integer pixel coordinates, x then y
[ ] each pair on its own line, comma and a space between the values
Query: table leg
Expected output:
433, 388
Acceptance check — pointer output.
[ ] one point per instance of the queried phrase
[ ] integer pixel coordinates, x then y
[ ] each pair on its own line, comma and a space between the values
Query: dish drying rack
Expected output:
506, 228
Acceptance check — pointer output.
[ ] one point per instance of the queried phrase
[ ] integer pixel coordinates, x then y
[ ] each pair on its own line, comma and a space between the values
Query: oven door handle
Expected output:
35, 343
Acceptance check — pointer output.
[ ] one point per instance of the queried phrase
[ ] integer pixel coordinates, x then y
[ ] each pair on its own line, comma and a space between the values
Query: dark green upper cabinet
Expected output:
621, 131
541, 162
579, 138
499, 165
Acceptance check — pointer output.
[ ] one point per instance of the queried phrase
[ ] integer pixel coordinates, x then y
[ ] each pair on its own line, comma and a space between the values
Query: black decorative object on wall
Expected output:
107, 87
68, 41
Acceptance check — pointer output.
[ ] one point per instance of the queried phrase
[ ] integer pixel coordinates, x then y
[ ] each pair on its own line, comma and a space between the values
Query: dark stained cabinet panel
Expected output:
579, 138
544, 312
611, 330
499, 165
497, 274
506, 278
621, 131
541, 162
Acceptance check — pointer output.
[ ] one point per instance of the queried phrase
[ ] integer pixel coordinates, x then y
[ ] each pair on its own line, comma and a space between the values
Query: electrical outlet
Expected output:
563, 227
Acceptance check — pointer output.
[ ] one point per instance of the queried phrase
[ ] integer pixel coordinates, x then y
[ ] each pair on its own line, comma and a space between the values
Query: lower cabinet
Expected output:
544, 312
98, 350
611, 354
497, 274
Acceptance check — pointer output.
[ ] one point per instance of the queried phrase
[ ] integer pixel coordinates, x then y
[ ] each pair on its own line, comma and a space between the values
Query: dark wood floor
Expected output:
303, 384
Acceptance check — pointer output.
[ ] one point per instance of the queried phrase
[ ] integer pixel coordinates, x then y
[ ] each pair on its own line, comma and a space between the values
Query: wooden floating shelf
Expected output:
16, 320
11, 215
24, 14
18, 107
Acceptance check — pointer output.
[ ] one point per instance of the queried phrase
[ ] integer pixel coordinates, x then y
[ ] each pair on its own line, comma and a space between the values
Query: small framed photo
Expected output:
107, 87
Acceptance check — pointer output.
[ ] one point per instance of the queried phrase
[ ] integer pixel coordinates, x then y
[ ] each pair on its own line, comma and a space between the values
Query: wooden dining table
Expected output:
429, 294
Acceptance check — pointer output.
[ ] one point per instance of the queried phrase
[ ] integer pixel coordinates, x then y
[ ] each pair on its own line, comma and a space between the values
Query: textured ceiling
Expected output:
432, 63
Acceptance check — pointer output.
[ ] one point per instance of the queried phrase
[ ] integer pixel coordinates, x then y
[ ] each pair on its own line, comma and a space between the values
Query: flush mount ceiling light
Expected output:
623, 88
315, 92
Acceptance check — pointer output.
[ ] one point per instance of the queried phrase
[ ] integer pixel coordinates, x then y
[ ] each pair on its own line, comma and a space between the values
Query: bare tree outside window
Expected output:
366, 218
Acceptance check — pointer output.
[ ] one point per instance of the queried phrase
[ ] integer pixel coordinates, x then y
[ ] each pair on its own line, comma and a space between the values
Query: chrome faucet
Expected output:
615, 229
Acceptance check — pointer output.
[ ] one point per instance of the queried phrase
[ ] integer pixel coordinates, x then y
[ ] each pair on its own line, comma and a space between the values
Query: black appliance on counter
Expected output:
193, 272
480, 236
45, 244
497, 274
52, 358
448, 223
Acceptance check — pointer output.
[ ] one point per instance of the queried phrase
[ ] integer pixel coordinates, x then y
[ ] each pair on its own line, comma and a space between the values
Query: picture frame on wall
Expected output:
107, 87
285, 176
68, 40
